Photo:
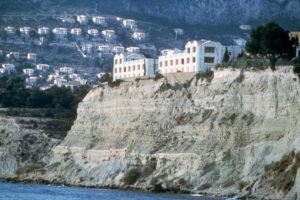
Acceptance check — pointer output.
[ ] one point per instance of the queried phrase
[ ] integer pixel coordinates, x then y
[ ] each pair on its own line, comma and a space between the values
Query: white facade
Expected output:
76, 31
197, 56
129, 23
42, 67
109, 34
29, 71
240, 42
60, 32
234, 51
25, 30
66, 19
10, 30
82, 19
31, 56
32, 80
93, 32
7, 68
139, 35
118, 49
104, 48
99, 20
88, 48
60, 82
15, 55
133, 49
43, 31
133, 65
67, 70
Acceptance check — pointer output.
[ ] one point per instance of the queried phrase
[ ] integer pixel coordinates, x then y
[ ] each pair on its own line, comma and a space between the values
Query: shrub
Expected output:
115, 83
158, 76
297, 66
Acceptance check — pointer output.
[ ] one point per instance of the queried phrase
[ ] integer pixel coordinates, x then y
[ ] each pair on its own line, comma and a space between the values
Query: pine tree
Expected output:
226, 57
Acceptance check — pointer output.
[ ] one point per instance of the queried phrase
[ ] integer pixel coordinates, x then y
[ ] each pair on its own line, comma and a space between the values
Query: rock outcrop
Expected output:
234, 134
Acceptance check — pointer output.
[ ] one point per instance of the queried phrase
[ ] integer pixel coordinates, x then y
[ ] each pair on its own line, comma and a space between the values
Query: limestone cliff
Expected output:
231, 135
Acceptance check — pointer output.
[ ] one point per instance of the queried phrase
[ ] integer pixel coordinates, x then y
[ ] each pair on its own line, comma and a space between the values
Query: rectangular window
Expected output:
209, 59
133, 68
139, 67
194, 49
116, 70
160, 64
172, 62
194, 59
182, 61
188, 60
177, 61
124, 69
188, 50
116, 61
166, 63
120, 61
129, 69
209, 49
120, 70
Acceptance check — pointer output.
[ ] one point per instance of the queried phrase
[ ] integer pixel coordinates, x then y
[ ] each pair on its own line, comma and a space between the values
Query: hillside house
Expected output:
197, 56
43, 67
133, 49
118, 49
31, 81
240, 42
60, 32
93, 32
31, 57
129, 23
109, 35
130, 65
245, 27
43, 31
10, 30
7, 69
66, 70
88, 48
99, 20
104, 48
15, 55
76, 31
82, 19
66, 19
28, 71
25, 31
139, 35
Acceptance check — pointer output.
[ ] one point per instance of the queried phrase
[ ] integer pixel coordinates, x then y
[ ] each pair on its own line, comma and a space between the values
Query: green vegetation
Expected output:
297, 66
226, 57
131, 176
272, 42
13, 94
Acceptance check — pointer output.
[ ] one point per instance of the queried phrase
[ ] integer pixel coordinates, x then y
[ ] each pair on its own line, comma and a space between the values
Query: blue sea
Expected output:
43, 192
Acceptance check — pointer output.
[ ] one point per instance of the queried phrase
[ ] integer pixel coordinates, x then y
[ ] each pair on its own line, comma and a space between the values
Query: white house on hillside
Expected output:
82, 19
43, 31
139, 35
31, 56
10, 30
99, 20
129, 23
93, 32
197, 56
25, 30
76, 31
130, 65
60, 32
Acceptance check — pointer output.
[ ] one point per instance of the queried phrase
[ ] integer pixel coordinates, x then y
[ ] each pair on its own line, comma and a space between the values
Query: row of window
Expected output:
167, 63
129, 68
118, 61
206, 50
129, 76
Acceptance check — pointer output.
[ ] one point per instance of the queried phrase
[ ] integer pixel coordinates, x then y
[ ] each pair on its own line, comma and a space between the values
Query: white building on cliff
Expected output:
130, 65
198, 56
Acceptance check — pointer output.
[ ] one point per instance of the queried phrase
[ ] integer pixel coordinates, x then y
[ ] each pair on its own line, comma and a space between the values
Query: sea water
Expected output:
43, 192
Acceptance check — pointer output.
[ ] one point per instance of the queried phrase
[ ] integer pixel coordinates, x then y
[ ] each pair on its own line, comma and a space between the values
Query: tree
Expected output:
270, 41
226, 57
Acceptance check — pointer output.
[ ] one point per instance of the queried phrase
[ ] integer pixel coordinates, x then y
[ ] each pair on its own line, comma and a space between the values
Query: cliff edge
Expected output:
234, 134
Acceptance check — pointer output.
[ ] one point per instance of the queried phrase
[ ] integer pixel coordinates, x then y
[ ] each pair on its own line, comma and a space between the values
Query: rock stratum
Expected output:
232, 135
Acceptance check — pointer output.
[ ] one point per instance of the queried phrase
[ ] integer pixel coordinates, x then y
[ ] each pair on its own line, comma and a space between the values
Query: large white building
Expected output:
25, 30
31, 56
93, 32
109, 34
139, 35
129, 23
197, 56
28, 71
130, 65
7, 68
42, 67
10, 30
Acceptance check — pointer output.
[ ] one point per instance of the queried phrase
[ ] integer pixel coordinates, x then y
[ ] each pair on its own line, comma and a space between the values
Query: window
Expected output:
120, 61
124, 69
194, 59
209, 49
129, 68
116, 70
188, 50
116, 61
160, 64
166, 63
172, 62
194, 49
133, 68
209, 59
177, 61
188, 60
139, 67
182, 61
120, 70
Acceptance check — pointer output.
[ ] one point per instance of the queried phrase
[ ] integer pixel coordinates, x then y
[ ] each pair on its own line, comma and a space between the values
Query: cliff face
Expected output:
231, 135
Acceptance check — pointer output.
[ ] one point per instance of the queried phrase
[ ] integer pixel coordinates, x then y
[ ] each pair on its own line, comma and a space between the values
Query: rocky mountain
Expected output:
233, 134
212, 12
